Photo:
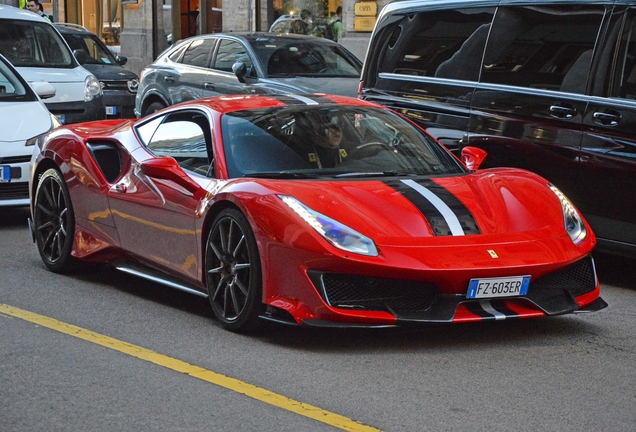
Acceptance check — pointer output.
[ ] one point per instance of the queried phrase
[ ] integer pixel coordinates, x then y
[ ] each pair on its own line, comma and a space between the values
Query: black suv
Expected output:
545, 85
118, 84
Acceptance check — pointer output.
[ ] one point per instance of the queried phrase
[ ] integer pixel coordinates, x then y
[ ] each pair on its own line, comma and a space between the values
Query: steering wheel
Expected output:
369, 149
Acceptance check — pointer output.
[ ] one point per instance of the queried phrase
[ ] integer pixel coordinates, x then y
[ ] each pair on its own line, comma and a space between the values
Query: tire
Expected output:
153, 108
54, 222
233, 272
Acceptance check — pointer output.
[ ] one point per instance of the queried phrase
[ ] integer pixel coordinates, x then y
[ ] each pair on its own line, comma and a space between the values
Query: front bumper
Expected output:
78, 111
119, 103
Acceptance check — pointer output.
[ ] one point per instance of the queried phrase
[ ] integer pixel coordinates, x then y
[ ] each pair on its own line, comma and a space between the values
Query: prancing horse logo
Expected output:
492, 253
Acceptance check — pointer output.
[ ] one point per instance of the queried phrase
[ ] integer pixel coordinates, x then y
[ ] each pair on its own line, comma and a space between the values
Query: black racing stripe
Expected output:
500, 306
435, 219
464, 216
288, 100
476, 309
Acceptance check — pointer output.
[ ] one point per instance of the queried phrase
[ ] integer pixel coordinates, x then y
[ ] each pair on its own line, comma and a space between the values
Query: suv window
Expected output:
444, 44
230, 52
33, 44
198, 53
543, 47
624, 82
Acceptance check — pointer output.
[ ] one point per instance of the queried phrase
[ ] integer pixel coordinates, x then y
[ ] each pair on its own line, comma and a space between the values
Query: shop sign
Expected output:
363, 24
365, 8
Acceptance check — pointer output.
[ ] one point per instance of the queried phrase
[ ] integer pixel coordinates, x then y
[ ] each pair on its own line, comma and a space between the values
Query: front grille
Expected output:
115, 85
361, 292
14, 159
10, 191
578, 279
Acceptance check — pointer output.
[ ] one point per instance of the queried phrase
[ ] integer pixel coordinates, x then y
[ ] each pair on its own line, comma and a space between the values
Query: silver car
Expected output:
246, 63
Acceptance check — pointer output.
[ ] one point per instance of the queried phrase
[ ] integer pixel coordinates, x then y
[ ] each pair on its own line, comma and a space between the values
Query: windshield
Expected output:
12, 89
33, 44
284, 58
97, 51
334, 141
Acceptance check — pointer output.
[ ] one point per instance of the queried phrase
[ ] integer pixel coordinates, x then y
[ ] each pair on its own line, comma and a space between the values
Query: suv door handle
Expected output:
208, 86
607, 118
168, 78
565, 111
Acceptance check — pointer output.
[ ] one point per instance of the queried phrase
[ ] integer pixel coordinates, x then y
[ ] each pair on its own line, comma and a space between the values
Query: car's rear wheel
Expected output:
233, 272
54, 222
153, 108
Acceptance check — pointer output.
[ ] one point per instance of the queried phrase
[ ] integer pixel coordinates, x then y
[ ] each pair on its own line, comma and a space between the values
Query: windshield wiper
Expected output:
390, 173
282, 175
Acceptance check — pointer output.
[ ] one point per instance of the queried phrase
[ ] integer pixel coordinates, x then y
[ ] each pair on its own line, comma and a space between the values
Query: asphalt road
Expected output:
569, 373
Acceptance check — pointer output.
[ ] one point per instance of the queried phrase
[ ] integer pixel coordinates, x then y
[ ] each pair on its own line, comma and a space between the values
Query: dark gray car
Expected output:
246, 63
119, 85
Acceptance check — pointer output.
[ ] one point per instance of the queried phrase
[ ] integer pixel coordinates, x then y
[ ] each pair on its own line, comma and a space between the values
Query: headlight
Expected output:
92, 88
573, 222
133, 85
339, 235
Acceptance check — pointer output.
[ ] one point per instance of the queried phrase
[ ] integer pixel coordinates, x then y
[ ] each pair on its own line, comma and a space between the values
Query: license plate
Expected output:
6, 173
61, 118
111, 110
498, 287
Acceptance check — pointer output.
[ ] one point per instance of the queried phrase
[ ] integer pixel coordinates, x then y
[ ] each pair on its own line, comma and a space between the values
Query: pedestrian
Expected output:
35, 7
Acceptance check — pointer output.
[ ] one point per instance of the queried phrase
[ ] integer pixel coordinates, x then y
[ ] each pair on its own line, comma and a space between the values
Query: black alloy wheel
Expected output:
54, 222
233, 272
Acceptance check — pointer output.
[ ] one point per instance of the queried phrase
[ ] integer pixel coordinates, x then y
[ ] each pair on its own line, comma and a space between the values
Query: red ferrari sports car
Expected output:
315, 210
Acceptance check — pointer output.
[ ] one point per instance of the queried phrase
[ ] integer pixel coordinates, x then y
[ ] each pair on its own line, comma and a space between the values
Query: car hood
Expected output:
20, 121
110, 72
502, 206
53, 75
331, 85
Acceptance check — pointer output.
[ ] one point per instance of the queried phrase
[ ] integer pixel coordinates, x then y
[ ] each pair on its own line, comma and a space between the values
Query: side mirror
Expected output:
167, 168
240, 70
473, 157
80, 56
43, 89
122, 60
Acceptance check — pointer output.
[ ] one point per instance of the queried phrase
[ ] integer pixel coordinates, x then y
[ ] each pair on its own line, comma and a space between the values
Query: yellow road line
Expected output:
233, 384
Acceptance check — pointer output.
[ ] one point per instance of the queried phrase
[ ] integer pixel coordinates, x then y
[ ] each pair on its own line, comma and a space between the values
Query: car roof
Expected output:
233, 103
261, 36
67, 28
10, 12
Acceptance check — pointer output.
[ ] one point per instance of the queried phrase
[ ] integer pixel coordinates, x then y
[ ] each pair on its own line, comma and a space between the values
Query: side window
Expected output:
230, 52
185, 136
444, 44
624, 80
198, 53
542, 47
176, 54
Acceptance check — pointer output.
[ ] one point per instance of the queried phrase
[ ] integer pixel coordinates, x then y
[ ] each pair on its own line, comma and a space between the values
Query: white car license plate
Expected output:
111, 110
5, 170
498, 287
62, 118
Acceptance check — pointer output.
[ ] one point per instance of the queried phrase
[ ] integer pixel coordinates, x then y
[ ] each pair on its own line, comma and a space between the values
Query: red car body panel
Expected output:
163, 222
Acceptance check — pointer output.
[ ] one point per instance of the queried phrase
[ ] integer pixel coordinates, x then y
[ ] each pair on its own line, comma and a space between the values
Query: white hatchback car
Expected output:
23, 119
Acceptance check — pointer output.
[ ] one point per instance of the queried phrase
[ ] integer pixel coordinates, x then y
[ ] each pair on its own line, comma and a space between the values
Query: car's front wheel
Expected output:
233, 272
54, 222
153, 108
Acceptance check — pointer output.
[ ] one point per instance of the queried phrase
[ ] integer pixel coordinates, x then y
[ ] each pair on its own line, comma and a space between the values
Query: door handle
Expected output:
169, 79
606, 118
562, 111
208, 86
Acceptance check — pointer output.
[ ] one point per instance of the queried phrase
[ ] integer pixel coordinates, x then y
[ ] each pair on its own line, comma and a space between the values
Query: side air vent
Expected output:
108, 158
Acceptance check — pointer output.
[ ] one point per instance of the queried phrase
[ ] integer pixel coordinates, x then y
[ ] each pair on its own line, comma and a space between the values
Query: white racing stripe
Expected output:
447, 213
303, 99
485, 305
